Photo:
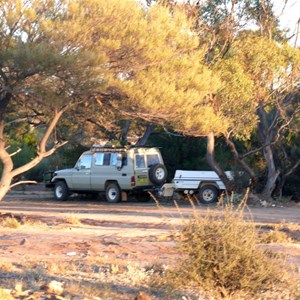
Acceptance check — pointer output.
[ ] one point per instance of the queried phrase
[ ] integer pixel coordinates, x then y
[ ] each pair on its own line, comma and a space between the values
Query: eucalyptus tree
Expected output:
272, 72
39, 76
61, 57
259, 75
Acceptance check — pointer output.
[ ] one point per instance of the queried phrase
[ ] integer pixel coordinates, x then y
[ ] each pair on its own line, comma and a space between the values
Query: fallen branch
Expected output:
16, 152
23, 182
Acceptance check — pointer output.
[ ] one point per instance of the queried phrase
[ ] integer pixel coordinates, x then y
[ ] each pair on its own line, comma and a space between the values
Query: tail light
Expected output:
132, 181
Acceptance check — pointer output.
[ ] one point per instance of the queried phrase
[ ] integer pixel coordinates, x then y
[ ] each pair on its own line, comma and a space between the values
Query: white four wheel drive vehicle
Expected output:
206, 185
115, 171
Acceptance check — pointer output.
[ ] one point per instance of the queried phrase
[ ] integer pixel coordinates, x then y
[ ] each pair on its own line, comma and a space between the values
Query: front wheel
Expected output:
208, 194
61, 190
113, 193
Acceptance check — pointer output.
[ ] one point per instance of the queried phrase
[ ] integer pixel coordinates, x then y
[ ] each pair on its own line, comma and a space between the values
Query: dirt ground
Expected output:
100, 240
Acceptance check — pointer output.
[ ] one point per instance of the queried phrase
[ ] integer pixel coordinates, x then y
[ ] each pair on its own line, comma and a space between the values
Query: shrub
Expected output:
274, 236
221, 254
72, 219
10, 223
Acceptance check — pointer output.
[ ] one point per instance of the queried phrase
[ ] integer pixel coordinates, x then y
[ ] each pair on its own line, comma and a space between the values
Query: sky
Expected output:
290, 16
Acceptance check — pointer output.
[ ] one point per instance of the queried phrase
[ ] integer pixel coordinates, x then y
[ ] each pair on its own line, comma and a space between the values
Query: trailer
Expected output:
206, 185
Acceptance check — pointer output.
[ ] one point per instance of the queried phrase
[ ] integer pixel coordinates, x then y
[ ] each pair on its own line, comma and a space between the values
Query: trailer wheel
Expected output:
208, 194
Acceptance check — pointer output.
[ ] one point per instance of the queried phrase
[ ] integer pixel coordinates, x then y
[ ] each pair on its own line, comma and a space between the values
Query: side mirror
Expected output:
78, 165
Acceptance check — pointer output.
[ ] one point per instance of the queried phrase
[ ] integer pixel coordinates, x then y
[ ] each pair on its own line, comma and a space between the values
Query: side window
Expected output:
140, 161
152, 159
84, 162
102, 159
114, 159
106, 159
99, 159
124, 159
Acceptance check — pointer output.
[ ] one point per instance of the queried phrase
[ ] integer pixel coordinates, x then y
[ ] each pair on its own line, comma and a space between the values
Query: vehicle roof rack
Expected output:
99, 148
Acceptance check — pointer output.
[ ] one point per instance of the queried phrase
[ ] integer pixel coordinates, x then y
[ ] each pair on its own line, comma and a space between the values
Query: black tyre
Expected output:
208, 194
113, 193
61, 190
158, 174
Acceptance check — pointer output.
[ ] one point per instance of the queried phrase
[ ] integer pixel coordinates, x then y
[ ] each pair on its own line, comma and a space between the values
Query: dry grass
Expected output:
214, 255
72, 219
5, 294
222, 257
36, 223
274, 236
10, 222
6, 266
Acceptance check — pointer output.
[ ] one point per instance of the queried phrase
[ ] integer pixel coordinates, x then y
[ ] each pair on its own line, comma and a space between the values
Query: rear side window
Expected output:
106, 159
152, 159
124, 159
140, 162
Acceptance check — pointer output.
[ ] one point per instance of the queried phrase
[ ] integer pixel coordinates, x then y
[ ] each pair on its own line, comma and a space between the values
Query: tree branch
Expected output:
16, 152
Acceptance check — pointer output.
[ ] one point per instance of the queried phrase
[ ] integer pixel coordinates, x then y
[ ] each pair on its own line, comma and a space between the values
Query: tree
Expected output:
258, 72
274, 74
60, 57
39, 78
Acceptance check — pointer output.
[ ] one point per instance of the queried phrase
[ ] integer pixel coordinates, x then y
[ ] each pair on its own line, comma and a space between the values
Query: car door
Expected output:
81, 177
100, 170
141, 170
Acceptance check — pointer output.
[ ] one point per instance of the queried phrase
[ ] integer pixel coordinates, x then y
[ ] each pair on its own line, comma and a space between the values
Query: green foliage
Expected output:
291, 187
221, 255
66, 157
179, 152
235, 98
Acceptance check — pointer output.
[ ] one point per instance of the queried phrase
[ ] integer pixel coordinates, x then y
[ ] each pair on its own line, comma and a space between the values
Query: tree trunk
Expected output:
8, 172
267, 133
7, 162
124, 132
143, 140
242, 163
5, 158
281, 180
210, 156
272, 173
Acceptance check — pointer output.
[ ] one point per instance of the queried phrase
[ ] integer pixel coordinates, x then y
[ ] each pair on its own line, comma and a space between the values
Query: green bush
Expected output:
221, 254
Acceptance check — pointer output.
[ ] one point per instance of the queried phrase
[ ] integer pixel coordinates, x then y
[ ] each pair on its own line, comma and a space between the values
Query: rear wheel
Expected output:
113, 193
208, 194
61, 190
